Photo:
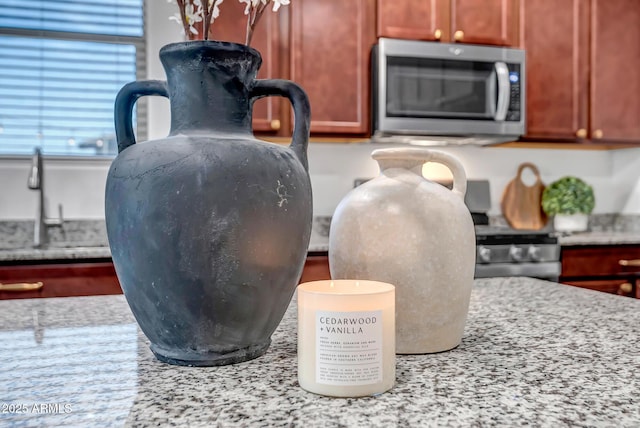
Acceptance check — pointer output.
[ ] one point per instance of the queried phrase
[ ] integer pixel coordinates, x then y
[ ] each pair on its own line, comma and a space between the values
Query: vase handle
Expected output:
301, 111
407, 157
125, 100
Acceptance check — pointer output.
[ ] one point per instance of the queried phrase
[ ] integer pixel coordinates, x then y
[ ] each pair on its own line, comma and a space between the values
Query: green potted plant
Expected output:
570, 201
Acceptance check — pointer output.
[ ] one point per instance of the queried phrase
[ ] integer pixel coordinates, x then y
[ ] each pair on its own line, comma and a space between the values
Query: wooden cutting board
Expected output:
521, 204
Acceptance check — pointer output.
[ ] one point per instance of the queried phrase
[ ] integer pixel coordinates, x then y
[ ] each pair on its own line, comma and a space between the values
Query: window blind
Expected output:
62, 62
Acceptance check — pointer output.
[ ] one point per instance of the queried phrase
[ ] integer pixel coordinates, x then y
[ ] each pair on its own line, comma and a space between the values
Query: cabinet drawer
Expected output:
61, 280
621, 287
598, 260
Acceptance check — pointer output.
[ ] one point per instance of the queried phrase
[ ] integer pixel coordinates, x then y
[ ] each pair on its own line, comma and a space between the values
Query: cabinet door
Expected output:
615, 63
330, 58
413, 19
231, 27
557, 54
489, 22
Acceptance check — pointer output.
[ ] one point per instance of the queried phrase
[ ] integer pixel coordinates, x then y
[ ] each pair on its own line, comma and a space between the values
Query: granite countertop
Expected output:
533, 353
79, 252
87, 239
604, 229
318, 243
600, 238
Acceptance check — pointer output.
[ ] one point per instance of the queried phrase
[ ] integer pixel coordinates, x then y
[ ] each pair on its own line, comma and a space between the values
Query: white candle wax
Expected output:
346, 337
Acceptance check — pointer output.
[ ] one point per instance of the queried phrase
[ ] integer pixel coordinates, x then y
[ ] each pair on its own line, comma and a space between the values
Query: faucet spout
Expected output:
41, 222
35, 174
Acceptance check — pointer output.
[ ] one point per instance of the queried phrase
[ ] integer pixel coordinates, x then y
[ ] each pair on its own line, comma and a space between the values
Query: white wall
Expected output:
625, 181
79, 184
334, 167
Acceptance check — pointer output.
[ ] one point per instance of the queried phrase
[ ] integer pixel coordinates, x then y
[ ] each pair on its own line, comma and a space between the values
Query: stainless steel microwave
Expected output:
433, 92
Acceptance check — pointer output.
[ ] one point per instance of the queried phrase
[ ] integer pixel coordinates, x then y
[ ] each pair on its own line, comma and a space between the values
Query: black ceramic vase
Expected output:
209, 227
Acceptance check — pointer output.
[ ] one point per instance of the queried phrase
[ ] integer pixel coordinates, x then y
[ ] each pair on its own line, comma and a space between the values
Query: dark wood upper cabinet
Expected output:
324, 46
331, 44
266, 111
615, 65
557, 60
413, 19
583, 69
489, 22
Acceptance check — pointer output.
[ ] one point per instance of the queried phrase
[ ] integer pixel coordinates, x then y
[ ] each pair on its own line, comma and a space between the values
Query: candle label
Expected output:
349, 348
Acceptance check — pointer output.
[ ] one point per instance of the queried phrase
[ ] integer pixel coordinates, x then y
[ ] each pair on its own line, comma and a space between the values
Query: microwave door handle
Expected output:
493, 94
502, 105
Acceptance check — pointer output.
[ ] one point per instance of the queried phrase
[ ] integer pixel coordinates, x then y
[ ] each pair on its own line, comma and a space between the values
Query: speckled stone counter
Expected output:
600, 238
76, 239
534, 353
606, 229
87, 239
55, 253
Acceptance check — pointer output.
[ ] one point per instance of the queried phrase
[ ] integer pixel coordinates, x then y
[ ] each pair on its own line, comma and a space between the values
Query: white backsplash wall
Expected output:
335, 166
76, 184
625, 186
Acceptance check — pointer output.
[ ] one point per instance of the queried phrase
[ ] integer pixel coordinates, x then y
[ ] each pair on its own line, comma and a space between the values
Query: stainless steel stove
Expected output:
503, 251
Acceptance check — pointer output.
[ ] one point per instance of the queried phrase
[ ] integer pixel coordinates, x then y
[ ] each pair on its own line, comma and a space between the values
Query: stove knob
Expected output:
516, 253
484, 254
534, 253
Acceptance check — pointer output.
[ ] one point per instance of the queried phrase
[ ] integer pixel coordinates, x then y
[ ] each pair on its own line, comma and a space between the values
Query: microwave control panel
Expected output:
514, 111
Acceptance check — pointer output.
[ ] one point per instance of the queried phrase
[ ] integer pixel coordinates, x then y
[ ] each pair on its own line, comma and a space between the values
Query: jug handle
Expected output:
427, 155
126, 98
301, 111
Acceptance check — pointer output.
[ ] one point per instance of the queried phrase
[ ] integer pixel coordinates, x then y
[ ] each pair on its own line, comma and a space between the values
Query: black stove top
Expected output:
480, 218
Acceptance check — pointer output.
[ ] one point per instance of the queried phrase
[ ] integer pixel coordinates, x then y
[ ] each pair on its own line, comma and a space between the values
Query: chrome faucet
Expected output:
36, 182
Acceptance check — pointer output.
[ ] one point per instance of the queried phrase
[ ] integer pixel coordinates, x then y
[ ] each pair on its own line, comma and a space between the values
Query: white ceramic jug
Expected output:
403, 229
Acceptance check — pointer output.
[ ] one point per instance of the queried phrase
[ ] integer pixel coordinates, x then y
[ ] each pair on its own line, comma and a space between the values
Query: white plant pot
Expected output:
570, 222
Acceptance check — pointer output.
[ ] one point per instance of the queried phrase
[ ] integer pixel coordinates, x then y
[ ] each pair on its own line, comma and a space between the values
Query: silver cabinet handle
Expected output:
502, 105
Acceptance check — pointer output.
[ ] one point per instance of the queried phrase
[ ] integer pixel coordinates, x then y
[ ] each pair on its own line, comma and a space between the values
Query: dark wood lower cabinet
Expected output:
60, 279
316, 268
621, 287
610, 269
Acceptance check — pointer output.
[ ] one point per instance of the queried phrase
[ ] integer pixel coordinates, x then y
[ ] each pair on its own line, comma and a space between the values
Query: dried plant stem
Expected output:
247, 39
252, 19
210, 27
183, 18
207, 19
